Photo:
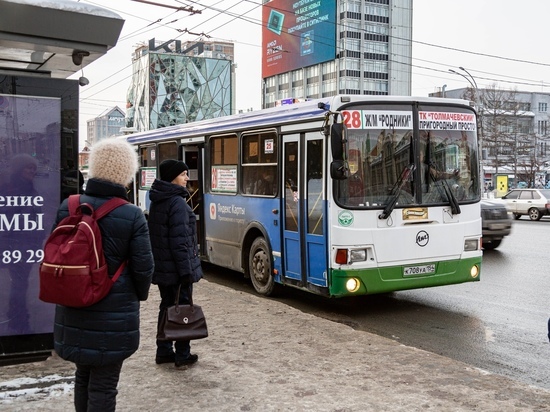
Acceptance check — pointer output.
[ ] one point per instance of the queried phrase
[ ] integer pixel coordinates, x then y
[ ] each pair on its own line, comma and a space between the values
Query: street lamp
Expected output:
472, 77
479, 107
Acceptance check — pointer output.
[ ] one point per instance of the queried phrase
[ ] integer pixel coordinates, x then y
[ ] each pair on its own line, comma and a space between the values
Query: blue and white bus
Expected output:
341, 196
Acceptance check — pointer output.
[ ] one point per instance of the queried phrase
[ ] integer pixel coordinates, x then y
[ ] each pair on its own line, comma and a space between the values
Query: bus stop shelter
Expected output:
42, 43
54, 39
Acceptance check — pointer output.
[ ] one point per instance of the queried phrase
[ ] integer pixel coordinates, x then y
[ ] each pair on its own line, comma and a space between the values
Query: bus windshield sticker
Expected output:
375, 119
463, 122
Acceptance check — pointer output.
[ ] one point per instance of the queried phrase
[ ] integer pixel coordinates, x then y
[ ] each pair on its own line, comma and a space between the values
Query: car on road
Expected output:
496, 223
534, 203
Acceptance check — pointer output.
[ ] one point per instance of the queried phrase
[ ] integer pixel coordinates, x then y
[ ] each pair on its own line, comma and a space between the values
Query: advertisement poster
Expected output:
297, 33
224, 179
29, 198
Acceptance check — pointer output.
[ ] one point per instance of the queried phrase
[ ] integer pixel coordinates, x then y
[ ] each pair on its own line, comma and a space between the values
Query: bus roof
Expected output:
309, 110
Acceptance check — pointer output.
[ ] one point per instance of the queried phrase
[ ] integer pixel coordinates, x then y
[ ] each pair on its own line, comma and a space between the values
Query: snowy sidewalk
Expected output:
262, 355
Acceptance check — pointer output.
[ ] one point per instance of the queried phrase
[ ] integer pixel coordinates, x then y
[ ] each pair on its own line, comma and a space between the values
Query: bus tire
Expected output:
260, 267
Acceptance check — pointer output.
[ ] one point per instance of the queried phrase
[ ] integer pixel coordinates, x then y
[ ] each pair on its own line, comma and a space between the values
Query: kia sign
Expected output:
297, 33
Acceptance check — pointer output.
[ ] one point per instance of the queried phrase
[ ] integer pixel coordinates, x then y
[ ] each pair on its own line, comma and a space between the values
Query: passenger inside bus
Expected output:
265, 185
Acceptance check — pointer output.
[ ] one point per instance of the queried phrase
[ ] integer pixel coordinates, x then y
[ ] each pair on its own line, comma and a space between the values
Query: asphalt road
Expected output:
498, 324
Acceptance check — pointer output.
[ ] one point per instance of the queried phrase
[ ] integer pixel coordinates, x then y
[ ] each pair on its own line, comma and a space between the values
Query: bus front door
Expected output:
191, 154
304, 232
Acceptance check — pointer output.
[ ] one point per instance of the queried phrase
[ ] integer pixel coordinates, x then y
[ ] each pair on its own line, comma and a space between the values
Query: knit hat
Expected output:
170, 169
113, 160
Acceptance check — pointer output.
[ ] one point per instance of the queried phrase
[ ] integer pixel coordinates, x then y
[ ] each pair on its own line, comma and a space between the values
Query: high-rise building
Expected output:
318, 48
175, 83
314, 49
105, 125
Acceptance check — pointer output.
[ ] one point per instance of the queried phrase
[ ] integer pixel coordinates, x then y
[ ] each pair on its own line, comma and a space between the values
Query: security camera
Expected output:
83, 81
78, 56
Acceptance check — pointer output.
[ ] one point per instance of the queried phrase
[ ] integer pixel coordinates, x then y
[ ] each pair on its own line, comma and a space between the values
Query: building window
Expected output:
376, 66
543, 107
312, 72
372, 28
375, 47
377, 10
542, 127
353, 64
351, 45
352, 25
353, 6
375, 86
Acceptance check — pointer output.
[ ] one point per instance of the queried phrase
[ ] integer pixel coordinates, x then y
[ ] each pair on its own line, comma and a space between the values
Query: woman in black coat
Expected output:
173, 231
100, 337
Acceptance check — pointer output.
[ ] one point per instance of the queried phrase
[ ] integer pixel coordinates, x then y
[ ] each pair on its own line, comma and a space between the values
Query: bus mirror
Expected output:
337, 141
338, 170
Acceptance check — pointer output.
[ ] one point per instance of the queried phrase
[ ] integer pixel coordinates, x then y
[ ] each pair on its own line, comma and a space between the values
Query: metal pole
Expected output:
479, 108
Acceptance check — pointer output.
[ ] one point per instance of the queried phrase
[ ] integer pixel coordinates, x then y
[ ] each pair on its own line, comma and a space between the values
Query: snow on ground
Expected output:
29, 389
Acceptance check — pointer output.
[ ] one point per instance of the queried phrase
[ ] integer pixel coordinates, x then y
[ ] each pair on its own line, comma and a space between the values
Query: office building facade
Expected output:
105, 125
175, 83
313, 49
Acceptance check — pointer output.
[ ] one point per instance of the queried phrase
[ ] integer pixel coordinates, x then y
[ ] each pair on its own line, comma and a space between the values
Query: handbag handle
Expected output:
176, 303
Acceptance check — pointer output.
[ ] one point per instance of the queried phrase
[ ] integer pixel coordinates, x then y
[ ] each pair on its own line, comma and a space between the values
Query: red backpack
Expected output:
74, 272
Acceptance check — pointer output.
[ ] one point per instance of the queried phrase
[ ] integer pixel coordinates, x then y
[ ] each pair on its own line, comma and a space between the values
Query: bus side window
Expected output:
249, 179
265, 184
259, 164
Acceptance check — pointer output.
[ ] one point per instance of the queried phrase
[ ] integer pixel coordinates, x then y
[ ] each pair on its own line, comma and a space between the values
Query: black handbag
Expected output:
182, 322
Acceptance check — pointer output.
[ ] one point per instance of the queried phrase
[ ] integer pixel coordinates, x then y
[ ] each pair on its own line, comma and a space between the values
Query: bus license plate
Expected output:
419, 270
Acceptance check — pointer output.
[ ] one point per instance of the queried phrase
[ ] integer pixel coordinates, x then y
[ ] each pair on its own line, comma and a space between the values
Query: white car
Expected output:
534, 203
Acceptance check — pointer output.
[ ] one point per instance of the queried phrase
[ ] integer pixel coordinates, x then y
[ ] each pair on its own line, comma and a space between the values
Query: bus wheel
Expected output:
259, 267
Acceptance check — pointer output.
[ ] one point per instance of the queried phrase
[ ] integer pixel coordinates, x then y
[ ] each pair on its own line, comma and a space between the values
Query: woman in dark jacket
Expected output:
100, 337
173, 231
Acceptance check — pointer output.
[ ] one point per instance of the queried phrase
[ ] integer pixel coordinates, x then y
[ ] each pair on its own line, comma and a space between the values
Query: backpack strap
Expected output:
109, 206
103, 211
74, 202
118, 272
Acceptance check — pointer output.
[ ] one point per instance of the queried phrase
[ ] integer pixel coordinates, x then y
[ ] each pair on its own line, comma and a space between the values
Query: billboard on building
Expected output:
297, 33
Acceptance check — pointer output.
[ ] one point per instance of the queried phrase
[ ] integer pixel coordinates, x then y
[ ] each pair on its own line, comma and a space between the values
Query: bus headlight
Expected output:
357, 255
474, 271
352, 285
471, 244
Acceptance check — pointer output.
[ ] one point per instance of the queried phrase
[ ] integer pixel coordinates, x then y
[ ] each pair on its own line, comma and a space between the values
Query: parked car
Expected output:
534, 203
496, 223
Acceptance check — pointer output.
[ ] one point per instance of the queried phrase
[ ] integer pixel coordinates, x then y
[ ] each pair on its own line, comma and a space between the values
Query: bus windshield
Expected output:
403, 156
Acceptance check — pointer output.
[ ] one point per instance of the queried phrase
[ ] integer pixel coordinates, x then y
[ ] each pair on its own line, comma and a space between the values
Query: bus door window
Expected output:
190, 157
315, 187
147, 174
291, 186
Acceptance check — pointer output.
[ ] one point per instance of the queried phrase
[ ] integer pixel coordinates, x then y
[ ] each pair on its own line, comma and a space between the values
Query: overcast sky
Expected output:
499, 42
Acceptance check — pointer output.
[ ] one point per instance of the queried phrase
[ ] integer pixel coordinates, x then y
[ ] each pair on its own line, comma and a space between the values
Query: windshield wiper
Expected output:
453, 202
396, 190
